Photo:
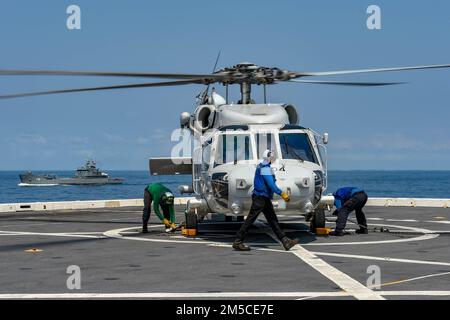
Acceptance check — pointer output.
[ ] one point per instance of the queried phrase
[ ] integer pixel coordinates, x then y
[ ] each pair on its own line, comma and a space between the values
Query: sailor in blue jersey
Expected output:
346, 200
264, 187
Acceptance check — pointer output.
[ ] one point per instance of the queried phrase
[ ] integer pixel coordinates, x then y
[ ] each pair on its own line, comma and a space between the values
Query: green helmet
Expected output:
167, 198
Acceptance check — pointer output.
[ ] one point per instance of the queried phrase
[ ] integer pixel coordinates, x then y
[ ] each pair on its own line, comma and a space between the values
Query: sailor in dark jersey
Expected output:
346, 200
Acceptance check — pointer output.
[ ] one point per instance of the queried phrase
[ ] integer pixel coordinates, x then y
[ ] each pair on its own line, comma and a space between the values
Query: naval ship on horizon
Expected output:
88, 174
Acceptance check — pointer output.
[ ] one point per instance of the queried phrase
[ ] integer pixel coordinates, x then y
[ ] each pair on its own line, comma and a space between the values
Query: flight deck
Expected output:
117, 261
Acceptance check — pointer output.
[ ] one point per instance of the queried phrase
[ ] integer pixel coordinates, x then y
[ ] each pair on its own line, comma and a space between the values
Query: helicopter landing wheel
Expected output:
317, 220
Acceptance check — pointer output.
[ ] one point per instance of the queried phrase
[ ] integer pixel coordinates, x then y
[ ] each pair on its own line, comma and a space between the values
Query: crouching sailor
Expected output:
161, 197
346, 200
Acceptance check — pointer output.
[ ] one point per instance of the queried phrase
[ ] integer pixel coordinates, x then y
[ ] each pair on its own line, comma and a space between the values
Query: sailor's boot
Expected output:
362, 230
288, 243
238, 245
339, 233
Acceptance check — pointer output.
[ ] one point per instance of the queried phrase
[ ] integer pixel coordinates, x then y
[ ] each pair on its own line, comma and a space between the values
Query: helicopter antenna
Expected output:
202, 96
217, 60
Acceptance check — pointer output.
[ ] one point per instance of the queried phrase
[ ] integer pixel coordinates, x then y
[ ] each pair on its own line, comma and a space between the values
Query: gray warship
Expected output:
88, 174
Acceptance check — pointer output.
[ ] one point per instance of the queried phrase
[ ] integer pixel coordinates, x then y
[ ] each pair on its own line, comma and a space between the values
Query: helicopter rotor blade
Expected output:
352, 84
345, 72
127, 86
211, 77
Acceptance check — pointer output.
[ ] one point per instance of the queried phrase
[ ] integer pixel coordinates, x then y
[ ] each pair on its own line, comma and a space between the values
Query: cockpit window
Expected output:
233, 148
297, 146
265, 141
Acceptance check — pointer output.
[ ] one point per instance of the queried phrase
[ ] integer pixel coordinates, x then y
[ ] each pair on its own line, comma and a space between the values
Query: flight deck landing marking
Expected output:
352, 287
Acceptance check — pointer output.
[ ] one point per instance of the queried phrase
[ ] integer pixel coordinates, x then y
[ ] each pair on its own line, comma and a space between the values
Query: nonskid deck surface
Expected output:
116, 261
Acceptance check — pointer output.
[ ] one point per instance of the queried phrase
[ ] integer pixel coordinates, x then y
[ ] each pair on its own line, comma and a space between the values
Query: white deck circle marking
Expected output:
427, 235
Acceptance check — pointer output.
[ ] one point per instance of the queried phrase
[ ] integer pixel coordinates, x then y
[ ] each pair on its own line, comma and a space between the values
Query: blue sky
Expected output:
399, 127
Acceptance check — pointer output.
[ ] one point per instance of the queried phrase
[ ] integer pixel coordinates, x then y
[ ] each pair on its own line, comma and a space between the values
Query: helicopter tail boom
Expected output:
170, 166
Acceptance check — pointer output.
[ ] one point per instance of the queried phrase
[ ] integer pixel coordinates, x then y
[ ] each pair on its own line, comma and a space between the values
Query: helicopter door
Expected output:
323, 157
200, 167
197, 178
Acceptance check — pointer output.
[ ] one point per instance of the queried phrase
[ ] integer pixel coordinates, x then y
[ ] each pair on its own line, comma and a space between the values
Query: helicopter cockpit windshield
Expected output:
247, 147
297, 146
233, 148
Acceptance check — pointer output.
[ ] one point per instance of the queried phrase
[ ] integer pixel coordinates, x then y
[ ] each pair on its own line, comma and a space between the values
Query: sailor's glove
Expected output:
166, 223
285, 197
171, 228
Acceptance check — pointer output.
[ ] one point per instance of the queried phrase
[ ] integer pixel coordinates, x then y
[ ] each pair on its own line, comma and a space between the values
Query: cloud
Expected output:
395, 142
159, 134
390, 143
142, 140
74, 140
342, 145
113, 138
30, 139
85, 153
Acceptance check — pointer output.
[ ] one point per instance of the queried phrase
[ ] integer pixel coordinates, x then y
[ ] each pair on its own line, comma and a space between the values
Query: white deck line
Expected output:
343, 280
208, 295
181, 201
386, 259
173, 295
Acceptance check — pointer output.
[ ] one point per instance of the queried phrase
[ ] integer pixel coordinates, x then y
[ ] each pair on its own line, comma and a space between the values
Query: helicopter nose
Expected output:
299, 185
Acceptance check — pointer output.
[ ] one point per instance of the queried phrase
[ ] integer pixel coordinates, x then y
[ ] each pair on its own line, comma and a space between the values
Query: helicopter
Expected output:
231, 137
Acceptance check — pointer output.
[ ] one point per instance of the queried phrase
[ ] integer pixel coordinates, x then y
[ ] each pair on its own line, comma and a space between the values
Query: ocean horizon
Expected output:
377, 183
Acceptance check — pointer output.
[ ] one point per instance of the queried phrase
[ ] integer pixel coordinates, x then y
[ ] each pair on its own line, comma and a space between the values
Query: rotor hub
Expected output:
250, 73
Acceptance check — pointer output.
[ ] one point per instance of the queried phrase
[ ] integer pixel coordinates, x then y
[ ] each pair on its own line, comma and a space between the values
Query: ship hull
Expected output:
27, 180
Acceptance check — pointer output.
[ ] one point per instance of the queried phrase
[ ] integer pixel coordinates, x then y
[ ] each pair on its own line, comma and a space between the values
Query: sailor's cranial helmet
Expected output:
168, 198
268, 156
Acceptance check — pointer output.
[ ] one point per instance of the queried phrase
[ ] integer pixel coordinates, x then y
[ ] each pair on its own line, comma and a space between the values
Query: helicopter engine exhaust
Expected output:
204, 117
292, 114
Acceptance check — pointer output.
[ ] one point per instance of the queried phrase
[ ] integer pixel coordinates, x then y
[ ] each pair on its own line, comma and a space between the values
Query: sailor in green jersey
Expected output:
161, 197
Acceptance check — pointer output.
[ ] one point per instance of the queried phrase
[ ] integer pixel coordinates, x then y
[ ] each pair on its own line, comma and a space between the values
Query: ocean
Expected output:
415, 184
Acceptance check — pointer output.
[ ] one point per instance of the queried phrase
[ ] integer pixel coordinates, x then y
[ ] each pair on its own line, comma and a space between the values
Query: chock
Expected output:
188, 232
323, 231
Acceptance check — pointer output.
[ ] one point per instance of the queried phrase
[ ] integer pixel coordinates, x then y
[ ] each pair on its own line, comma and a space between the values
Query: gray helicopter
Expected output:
230, 138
